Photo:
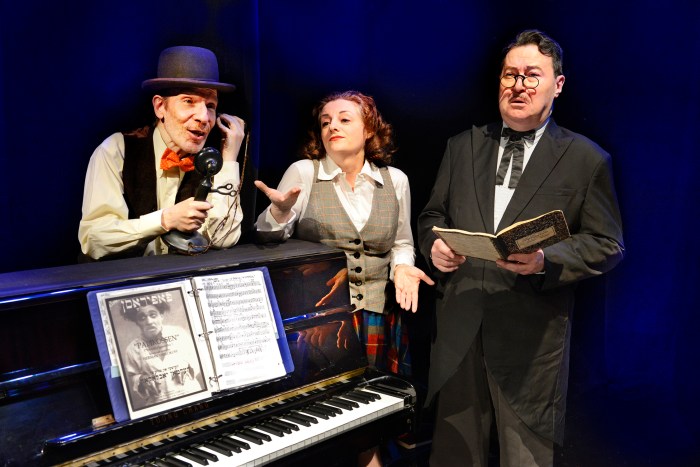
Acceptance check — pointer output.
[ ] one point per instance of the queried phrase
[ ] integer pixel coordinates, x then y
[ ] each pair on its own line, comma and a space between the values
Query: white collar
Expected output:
328, 170
538, 132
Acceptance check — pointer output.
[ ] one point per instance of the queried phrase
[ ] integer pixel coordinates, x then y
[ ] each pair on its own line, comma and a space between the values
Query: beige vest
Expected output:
369, 251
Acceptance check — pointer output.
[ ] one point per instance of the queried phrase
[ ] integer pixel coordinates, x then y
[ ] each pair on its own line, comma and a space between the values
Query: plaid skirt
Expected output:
385, 339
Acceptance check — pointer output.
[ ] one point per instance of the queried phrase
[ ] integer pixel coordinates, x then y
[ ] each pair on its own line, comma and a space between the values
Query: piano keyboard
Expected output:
274, 437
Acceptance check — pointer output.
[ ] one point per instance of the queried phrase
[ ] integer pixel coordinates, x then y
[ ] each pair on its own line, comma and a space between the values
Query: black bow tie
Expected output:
513, 135
515, 148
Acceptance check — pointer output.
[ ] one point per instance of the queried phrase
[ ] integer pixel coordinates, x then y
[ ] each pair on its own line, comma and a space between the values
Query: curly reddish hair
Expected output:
379, 148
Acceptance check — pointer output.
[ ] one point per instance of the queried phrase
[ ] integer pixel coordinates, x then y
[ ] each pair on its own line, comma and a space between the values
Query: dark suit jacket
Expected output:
524, 320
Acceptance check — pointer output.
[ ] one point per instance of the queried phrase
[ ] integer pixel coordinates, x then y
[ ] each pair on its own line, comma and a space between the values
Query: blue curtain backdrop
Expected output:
70, 76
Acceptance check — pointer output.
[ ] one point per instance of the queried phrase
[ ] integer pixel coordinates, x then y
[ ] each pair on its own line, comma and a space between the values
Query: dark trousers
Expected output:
467, 406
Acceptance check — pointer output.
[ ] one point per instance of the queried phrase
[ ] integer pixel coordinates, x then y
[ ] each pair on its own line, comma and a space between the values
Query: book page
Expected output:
150, 334
241, 326
469, 244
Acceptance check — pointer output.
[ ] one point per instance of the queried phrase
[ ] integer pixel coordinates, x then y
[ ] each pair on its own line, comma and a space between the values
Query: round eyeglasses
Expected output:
529, 82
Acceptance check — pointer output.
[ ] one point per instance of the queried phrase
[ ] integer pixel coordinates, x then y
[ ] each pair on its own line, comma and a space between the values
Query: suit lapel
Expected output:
485, 142
549, 150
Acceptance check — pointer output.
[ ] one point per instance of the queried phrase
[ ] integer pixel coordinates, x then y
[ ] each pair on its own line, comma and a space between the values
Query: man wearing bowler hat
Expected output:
140, 185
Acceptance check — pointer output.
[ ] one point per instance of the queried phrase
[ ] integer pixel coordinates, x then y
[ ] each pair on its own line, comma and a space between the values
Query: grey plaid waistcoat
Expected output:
369, 251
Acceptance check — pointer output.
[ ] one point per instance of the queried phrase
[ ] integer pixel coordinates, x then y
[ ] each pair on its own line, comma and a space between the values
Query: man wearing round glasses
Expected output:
500, 354
530, 81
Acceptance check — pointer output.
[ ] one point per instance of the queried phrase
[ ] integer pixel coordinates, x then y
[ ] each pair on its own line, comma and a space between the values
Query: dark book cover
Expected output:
522, 237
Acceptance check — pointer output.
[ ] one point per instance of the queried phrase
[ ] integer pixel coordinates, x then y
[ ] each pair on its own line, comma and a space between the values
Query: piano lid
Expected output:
16, 287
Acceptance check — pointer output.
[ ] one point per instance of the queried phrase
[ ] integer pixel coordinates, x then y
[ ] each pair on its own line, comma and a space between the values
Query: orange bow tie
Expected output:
170, 159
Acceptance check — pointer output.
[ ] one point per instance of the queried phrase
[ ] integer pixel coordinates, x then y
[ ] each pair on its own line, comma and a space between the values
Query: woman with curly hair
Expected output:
346, 195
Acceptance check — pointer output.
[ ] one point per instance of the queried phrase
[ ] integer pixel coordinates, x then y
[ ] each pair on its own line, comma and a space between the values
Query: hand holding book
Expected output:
522, 237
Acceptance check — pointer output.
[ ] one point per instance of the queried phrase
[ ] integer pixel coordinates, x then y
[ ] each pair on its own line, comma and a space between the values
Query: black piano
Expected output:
54, 403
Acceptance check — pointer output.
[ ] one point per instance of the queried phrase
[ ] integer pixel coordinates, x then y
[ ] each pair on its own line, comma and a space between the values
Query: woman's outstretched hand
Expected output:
282, 203
406, 281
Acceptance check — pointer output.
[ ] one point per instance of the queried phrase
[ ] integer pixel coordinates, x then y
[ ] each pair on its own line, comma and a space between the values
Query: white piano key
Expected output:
307, 436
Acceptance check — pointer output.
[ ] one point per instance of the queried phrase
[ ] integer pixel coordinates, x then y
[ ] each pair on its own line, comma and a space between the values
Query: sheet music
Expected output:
242, 332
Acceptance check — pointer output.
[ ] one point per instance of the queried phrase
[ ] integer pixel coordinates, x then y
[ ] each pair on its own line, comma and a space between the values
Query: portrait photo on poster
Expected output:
154, 341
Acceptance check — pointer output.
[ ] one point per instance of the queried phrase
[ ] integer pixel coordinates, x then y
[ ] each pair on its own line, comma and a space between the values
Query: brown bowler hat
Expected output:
187, 66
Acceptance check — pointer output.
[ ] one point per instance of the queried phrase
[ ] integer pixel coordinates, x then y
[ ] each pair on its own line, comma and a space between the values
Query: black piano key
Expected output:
207, 455
337, 410
372, 395
298, 415
233, 444
356, 398
389, 391
249, 437
350, 403
226, 438
220, 448
269, 429
253, 433
338, 403
176, 462
280, 426
162, 463
264, 436
317, 412
223, 443
297, 419
194, 457
286, 424
332, 410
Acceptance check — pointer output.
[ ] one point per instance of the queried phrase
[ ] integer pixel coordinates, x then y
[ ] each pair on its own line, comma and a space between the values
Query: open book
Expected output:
522, 237
168, 344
